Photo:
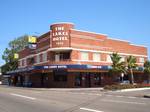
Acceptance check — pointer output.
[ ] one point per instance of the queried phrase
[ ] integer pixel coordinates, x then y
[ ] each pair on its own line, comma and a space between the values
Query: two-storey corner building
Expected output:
66, 57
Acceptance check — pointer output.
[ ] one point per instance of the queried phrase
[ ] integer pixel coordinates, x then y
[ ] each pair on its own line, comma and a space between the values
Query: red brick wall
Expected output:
43, 43
83, 40
105, 44
25, 52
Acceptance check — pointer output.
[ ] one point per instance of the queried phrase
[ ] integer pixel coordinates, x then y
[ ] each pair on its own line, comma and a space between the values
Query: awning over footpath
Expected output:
61, 67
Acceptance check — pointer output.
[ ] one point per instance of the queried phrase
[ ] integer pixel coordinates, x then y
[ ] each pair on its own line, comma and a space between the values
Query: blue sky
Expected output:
121, 19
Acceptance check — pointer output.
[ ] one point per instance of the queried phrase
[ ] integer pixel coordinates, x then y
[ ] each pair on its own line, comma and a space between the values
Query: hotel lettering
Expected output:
60, 36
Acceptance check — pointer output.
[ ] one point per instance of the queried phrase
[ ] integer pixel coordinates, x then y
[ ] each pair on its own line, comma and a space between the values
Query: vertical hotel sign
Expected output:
32, 42
16, 56
32, 39
60, 35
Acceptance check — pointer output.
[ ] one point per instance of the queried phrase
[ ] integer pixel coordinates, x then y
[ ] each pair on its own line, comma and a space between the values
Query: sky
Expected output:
121, 19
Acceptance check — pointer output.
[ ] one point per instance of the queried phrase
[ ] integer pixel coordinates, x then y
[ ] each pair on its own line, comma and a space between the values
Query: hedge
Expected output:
125, 86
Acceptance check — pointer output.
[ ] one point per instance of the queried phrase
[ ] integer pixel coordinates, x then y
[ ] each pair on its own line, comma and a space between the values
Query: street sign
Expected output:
16, 55
32, 46
32, 39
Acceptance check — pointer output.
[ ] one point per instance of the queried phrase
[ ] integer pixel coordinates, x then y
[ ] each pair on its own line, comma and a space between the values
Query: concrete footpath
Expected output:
85, 90
78, 89
134, 89
19, 99
57, 89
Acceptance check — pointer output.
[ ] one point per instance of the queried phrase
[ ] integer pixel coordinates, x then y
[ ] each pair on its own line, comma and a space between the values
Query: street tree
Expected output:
147, 70
118, 66
131, 64
14, 46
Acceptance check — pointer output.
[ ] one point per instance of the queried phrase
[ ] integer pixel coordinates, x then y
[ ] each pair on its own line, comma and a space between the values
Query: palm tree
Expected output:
131, 64
118, 66
147, 69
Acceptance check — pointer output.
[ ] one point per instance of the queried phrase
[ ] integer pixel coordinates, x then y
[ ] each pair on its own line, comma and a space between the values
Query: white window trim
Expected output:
141, 60
96, 57
38, 58
83, 57
108, 58
84, 50
44, 57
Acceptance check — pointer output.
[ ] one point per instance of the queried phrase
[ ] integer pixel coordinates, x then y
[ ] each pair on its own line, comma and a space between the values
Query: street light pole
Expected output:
122, 75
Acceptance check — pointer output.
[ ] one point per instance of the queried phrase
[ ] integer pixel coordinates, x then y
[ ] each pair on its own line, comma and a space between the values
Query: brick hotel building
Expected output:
66, 57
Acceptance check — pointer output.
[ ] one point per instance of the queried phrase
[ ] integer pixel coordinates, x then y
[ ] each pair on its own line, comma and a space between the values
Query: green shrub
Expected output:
124, 86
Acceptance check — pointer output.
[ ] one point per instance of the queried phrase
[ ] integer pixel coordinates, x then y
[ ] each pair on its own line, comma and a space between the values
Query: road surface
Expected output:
36, 100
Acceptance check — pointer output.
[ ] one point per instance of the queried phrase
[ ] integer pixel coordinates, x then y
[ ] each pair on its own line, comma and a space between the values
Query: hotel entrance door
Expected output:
87, 81
92, 79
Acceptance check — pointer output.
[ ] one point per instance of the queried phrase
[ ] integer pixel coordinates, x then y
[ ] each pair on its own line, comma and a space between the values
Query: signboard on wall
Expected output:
60, 35
16, 55
32, 39
32, 42
32, 46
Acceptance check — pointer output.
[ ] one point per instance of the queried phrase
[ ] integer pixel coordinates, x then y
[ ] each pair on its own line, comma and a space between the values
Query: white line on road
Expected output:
131, 97
94, 94
31, 98
109, 95
81, 93
91, 110
140, 103
119, 96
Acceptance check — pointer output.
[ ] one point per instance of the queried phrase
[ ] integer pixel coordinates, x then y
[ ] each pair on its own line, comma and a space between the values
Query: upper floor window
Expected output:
31, 60
38, 59
122, 58
25, 62
141, 60
44, 57
20, 63
96, 57
62, 56
109, 58
84, 56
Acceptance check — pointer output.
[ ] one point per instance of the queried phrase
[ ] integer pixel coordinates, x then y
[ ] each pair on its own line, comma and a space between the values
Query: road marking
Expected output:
81, 93
119, 96
143, 98
94, 94
91, 110
109, 95
139, 103
131, 97
122, 96
31, 98
98, 94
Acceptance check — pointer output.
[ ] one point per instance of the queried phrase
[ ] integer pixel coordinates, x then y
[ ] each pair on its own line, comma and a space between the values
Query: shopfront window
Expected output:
60, 76
97, 79
78, 80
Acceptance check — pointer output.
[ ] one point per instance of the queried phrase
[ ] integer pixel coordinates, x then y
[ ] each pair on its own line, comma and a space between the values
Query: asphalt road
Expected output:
37, 100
